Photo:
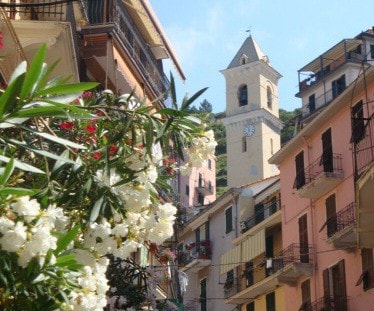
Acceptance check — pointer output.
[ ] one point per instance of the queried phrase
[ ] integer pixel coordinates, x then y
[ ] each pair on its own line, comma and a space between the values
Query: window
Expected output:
200, 180
312, 103
209, 164
305, 295
248, 273
367, 276
200, 199
203, 302
331, 220
229, 283
300, 173
271, 146
210, 186
338, 86
372, 51
243, 95
250, 307
327, 159
187, 190
334, 287
269, 253
357, 121
228, 214
269, 97
244, 144
303, 239
270, 302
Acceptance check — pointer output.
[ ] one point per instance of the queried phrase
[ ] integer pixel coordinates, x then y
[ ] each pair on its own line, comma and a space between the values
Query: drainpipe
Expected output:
312, 205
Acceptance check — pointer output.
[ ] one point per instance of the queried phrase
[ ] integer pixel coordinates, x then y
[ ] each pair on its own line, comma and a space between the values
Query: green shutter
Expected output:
228, 220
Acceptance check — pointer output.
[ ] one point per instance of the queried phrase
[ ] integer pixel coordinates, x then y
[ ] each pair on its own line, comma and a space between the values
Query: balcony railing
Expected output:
204, 187
341, 220
330, 303
202, 250
327, 70
330, 163
296, 253
259, 216
41, 10
363, 149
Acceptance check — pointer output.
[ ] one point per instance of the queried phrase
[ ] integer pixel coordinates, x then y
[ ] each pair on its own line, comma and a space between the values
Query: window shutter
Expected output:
207, 235
300, 173
357, 121
327, 154
228, 213
326, 286
367, 268
331, 215
303, 239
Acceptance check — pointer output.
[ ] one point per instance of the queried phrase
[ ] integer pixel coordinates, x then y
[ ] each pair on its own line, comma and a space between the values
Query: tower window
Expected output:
271, 146
243, 95
269, 97
244, 144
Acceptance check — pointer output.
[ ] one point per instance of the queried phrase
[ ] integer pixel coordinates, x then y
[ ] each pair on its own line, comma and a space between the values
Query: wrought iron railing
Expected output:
266, 267
202, 250
327, 163
341, 220
330, 303
324, 71
269, 209
42, 10
363, 149
205, 187
319, 102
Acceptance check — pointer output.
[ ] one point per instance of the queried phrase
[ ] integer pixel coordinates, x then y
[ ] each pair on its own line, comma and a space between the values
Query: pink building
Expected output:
327, 187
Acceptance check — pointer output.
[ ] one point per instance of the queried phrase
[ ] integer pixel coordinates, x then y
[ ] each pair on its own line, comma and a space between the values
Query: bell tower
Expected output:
252, 116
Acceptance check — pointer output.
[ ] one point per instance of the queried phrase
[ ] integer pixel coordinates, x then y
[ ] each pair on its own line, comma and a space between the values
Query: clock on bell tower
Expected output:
252, 116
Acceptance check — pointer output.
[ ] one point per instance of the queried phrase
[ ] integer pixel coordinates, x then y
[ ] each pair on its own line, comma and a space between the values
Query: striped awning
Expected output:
231, 259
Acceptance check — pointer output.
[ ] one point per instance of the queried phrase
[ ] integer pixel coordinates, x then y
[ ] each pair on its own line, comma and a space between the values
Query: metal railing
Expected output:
363, 149
41, 10
330, 303
327, 70
341, 220
205, 187
259, 216
319, 102
327, 163
294, 253
202, 250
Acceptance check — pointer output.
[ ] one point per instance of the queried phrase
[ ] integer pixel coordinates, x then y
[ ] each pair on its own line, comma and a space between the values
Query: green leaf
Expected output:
172, 112
66, 239
19, 71
172, 92
189, 101
21, 165
96, 209
7, 172
12, 122
41, 152
58, 140
18, 191
45, 77
40, 278
9, 98
68, 88
34, 73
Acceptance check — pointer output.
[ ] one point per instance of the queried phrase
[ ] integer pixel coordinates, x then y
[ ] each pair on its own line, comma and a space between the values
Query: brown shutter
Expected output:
326, 287
340, 301
367, 268
305, 293
331, 215
300, 173
303, 239
327, 155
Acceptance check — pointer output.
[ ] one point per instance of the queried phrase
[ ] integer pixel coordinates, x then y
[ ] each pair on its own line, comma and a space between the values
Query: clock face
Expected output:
249, 130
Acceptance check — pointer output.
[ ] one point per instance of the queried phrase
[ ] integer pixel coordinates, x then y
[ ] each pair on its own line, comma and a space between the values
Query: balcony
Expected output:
297, 262
267, 216
205, 187
326, 303
254, 282
320, 176
341, 228
347, 50
196, 257
119, 21
363, 153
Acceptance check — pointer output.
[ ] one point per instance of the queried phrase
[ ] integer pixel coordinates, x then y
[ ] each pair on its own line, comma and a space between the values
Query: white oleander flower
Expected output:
14, 238
6, 224
30, 209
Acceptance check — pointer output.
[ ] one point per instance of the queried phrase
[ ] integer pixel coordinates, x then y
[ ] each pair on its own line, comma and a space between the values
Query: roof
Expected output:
331, 55
250, 49
327, 113
151, 29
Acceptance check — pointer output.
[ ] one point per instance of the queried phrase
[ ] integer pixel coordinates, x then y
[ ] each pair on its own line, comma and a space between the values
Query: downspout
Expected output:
312, 205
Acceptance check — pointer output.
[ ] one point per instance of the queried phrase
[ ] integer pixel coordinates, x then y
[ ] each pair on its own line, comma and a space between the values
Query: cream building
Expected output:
252, 124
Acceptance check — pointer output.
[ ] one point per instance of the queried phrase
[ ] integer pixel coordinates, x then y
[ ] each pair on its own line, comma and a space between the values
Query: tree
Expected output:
79, 186
205, 106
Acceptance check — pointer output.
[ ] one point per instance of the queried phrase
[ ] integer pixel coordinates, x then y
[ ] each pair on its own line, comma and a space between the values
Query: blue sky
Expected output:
206, 34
